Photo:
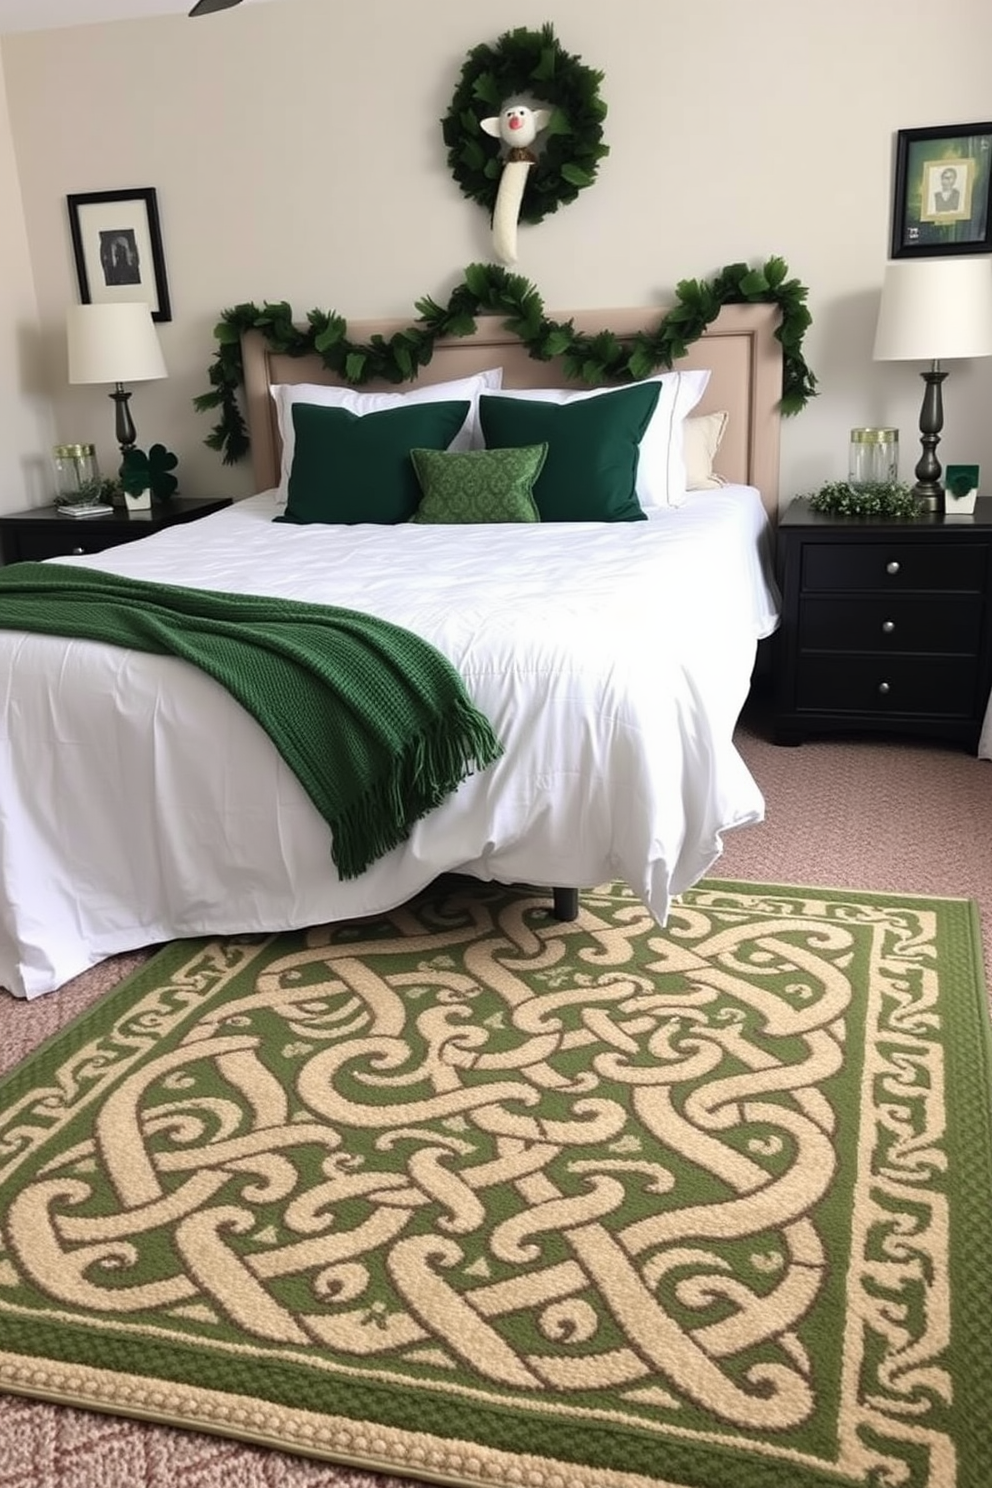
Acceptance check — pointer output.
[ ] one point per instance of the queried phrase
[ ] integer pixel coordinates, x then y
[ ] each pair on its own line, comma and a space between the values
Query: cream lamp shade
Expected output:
114, 343
934, 310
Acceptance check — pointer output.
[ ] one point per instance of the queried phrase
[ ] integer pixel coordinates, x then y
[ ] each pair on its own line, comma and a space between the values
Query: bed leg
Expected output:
566, 904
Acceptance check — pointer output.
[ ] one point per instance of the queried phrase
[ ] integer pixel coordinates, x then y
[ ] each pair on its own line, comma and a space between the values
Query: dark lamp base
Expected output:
928, 486
930, 499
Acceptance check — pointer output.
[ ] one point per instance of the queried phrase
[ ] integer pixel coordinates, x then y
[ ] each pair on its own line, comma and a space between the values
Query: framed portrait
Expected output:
941, 198
117, 245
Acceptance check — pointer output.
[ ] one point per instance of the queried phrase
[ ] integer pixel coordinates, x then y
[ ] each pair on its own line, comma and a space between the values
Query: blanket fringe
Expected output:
435, 763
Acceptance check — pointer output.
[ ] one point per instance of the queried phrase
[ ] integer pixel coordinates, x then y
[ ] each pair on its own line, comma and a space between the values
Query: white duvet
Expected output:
140, 803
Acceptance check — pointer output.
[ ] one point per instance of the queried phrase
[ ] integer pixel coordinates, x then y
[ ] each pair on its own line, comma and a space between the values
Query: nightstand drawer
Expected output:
895, 565
897, 624
35, 546
880, 685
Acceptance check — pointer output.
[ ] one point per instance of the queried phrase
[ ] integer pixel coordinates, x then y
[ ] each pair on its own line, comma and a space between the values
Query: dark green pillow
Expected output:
356, 468
591, 470
494, 485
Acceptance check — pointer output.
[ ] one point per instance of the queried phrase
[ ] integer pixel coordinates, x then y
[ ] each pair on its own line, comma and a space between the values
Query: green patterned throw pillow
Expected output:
478, 485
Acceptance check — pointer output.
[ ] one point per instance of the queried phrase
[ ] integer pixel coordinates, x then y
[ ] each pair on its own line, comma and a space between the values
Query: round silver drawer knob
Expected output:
888, 626
884, 687
892, 567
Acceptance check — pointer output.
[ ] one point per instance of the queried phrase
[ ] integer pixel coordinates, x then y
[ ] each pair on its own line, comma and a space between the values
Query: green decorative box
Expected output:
960, 489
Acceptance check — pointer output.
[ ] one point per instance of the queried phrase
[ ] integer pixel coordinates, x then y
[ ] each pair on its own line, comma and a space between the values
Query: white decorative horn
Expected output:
506, 213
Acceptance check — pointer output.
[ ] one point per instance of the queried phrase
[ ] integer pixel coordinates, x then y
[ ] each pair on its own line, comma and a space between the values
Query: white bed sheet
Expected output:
140, 803
985, 738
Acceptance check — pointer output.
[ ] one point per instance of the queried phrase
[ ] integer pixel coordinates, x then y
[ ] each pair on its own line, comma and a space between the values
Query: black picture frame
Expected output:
117, 245
942, 191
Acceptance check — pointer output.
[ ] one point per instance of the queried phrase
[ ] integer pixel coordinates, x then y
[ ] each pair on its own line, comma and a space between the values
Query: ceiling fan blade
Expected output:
207, 7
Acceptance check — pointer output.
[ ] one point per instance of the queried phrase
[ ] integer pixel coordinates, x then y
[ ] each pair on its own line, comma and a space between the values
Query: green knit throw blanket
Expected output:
373, 720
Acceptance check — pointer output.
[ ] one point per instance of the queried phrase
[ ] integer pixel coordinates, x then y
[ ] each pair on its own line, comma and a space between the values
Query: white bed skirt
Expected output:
985, 738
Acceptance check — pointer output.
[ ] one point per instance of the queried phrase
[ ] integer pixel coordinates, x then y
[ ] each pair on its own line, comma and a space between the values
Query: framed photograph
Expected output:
117, 245
941, 200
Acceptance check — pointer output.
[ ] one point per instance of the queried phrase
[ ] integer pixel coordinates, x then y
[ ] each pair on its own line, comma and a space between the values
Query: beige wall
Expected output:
297, 154
26, 426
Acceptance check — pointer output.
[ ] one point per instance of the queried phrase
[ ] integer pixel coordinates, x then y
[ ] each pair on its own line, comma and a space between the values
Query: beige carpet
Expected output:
899, 817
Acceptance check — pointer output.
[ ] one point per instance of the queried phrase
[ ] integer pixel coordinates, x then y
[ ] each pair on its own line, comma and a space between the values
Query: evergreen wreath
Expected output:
492, 290
527, 64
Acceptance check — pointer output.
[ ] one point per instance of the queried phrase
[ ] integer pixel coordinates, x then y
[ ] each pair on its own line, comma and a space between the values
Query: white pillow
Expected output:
702, 436
469, 435
661, 474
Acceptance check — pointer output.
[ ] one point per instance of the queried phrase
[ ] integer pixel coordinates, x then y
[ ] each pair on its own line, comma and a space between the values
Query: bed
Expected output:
985, 738
139, 803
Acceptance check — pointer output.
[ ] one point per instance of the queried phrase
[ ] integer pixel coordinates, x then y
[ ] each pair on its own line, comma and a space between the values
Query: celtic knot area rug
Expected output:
476, 1197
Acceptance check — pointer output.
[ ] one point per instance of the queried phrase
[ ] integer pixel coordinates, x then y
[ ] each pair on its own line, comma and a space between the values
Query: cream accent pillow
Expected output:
661, 475
468, 437
701, 439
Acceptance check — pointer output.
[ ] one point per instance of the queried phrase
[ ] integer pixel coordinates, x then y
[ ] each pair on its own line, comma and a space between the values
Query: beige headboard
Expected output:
739, 347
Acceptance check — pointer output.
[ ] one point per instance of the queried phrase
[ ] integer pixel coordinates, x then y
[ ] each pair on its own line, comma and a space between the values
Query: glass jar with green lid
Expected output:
874, 457
77, 475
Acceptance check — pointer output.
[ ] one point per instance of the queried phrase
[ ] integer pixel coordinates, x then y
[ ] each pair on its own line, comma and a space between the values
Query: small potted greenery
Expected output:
147, 477
865, 499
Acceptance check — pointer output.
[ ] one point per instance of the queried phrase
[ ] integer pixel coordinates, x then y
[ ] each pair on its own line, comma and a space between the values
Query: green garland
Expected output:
527, 65
490, 289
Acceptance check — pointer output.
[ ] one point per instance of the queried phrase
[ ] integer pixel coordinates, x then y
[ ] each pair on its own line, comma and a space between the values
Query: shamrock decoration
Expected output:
143, 472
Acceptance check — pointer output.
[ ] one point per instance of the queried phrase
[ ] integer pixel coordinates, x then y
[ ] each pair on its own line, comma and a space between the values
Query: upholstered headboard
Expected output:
739, 348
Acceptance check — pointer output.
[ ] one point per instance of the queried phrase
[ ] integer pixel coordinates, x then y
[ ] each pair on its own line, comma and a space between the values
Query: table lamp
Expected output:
118, 343
933, 310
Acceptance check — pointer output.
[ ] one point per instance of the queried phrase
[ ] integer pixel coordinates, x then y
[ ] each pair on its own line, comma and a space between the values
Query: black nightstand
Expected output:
886, 624
46, 532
